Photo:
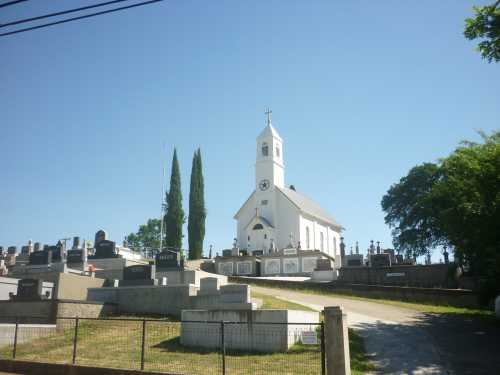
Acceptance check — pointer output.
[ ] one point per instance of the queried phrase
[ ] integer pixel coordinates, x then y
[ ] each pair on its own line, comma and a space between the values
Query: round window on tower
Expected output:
265, 149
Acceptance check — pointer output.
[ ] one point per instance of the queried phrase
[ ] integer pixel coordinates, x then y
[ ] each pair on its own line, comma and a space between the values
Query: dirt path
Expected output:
404, 341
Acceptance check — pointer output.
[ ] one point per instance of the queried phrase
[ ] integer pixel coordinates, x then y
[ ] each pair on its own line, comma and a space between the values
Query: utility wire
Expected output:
11, 3
79, 17
60, 13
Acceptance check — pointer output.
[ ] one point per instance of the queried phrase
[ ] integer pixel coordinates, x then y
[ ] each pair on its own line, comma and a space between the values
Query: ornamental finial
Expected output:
268, 113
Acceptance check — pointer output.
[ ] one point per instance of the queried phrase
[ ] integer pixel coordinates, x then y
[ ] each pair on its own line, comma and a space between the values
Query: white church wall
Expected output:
245, 216
304, 225
287, 216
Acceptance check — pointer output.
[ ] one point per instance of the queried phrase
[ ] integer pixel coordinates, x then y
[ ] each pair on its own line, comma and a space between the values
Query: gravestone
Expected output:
38, 258
105, 249
354, 262
140, 274
57, 253
169, 259
25, 250
11, 250
258, 252
323, 265
76, 243
2, 251
380, 260
38, 246
33, 290
100, 236
227, 253
76, 256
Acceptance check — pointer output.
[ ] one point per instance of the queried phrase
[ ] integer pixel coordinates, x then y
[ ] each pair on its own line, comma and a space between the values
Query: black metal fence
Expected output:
197, 347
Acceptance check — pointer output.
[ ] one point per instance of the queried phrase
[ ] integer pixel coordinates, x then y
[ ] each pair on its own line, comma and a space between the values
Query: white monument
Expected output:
274, 215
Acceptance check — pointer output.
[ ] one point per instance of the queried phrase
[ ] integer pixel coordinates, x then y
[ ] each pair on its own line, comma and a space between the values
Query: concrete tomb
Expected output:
40, 257
324, 271
76, 256
201, 328
380, 260
33, 290
352, 260
104, 249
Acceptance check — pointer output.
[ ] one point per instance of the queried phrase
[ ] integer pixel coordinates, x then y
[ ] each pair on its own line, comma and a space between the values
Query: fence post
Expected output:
323, 359
15, 339
223, 347
336, 342
143, 343
75, 337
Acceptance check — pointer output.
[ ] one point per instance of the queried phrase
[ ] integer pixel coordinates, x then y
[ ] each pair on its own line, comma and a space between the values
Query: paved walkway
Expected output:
404, 341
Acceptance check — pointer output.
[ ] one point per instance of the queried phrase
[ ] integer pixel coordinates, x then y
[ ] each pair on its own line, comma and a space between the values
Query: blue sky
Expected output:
361, 91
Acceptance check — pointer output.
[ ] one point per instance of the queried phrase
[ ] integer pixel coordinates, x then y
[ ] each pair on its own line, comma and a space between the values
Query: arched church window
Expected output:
258, 226
308, 243
321, 242
334, 245
265, 149
265, 236
277, 151
248, 238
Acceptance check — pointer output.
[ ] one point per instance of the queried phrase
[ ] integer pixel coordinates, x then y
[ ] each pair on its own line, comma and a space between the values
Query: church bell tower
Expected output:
269, 168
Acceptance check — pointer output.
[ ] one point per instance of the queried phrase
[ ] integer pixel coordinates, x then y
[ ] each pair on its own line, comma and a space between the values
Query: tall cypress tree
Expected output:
174, 218
197, 213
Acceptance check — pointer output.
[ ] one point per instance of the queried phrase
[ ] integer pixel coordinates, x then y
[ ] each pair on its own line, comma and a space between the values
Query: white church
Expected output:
276, 217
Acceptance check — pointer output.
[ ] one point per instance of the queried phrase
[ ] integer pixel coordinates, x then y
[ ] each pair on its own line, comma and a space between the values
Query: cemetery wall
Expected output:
424, 276
75, 287
436, 296
7, 285
187, 277
112, 268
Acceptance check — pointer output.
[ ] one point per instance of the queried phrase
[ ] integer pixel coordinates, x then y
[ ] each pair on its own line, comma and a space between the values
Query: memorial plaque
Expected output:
244, 268
380, 260
227, 253
168, 259
289, 251
105, 249
226, 268
309, 264
290, 265
75, 256
272, 266
40, 258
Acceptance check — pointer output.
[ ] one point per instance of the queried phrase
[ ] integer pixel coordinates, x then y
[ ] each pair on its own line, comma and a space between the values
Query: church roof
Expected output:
269, 130
308, 206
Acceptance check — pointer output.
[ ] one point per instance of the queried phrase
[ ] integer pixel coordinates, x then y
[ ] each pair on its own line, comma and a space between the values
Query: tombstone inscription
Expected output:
140, 274
76, 256
168, 259
33, 290
105, 249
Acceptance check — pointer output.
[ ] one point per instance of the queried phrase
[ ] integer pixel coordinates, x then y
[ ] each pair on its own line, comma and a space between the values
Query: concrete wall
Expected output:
252, 335
235, 260
430, 276
7, 285
187, 277
436, 296
112, 268
75, 287
305, 260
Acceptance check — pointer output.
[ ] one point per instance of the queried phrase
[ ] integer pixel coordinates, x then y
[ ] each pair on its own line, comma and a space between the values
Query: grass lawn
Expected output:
273, 303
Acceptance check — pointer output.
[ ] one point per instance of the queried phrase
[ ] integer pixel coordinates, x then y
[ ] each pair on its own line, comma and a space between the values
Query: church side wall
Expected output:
287, 219
245, 216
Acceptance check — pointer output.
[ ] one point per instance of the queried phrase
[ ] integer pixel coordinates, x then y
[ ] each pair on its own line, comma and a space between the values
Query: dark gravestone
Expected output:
29, 290
57, 253
25, 250
105, 249
323, 265
11, 250
258, 252
354, 262
1, 250
100, 236
75, 256
76, 243
138, 275
227, 253
40, 258
381, 260
168, 259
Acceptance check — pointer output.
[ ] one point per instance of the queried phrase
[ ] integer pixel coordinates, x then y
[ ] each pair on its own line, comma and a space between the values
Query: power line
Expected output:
11, 3
80, 17
60, 13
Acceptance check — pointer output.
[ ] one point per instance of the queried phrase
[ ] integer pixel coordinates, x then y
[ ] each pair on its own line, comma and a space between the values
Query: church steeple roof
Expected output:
269, 130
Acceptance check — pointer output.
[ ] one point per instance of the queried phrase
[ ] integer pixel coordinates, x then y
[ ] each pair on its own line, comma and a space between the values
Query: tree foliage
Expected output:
197, 212
485, 25
147, 237
455, 202
174, 217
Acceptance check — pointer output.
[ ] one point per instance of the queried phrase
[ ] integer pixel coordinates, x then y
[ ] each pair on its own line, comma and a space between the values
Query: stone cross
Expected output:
268, 113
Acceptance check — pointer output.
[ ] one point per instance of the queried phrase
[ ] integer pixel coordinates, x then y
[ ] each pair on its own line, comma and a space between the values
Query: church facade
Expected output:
276, 217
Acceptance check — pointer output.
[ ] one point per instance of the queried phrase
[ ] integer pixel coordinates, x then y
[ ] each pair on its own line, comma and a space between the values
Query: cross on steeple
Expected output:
268, 113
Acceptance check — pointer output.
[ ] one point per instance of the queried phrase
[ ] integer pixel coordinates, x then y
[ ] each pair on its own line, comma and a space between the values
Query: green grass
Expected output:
360, 363
273, 303
421, 307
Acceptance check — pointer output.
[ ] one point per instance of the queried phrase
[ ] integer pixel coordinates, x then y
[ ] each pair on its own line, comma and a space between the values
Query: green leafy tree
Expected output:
147, 237
197, 212
485, 25
455, 202
411, 211
174, 217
